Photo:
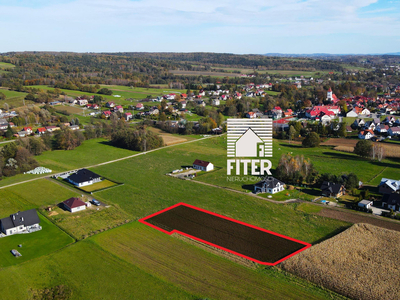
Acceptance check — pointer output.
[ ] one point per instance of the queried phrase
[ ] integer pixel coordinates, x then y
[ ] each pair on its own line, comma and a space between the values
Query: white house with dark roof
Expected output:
269, 185
203, 165
83, 177
20, 222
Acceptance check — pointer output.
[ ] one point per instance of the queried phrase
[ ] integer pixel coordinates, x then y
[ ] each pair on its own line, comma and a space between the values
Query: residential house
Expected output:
391, 201
22, 133
119, 108
52, 128
82, 102
382, 128
74, 204
154, 111
203, 165
83, 177
331, 189
388, 186
200, 103
251, 115
28, 130
128, 116
352, 113
215, 102
20, 222
110, 104
139, 106
394, 131
106, 113
41, 131
269, 185
365, 134
74, 127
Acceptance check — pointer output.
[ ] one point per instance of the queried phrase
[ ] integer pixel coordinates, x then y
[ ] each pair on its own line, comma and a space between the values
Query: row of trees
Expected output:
368, 149
138, 140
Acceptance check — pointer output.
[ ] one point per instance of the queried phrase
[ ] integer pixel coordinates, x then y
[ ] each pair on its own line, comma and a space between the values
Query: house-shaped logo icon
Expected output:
249, 145
249, 138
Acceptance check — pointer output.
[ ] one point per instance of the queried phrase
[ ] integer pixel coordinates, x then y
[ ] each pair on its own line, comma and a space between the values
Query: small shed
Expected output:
365, 203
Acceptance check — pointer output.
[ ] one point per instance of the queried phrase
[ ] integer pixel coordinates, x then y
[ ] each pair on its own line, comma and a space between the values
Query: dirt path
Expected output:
357, 218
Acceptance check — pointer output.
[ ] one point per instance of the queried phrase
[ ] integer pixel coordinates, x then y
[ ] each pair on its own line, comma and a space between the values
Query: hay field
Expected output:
168, 138
360, 263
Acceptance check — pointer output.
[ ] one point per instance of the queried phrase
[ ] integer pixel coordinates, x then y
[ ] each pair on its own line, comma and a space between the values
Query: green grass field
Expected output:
89, 153
13, 98
34, 244
110, 263
98, 186
198, 271
90, 272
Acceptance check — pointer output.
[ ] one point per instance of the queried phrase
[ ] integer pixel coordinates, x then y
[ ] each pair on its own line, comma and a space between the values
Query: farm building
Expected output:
83, 177
269, 185
365, 203
203, 165
74, 204
21, 222
330, 189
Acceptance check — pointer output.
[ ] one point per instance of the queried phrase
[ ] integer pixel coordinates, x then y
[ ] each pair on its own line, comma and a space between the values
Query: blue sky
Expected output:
232, 26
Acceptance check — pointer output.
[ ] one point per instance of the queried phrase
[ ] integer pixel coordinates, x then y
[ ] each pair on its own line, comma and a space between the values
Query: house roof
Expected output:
331, 187
391, 199
42, 129
365, 202
26, 218
269, 182
391, 183
74, 202
83, 175
201, 163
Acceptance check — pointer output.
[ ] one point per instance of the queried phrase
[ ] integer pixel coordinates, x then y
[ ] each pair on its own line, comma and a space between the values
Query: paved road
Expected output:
108, 162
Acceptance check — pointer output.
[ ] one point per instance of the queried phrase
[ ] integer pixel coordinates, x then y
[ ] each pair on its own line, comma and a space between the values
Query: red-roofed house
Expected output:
203, 165
251, 115
139, 106
28, 130
107, 113
128, 116
74, 204
41, 130
119, 108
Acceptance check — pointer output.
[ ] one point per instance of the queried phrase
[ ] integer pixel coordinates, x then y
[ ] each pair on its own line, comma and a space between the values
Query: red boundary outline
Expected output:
306, 245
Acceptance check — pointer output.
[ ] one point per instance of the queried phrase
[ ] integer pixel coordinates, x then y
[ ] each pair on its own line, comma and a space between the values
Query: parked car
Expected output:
96, 202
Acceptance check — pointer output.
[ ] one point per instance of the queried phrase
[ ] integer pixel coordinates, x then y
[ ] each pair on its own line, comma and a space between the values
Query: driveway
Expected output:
378, 211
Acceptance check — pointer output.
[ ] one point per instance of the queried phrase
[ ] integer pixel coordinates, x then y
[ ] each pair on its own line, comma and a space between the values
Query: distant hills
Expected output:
314, 55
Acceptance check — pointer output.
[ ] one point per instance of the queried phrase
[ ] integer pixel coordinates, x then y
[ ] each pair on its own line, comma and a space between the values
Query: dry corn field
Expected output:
360, 263
391, 151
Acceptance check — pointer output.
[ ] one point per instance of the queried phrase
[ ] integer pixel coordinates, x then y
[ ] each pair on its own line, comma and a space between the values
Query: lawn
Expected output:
34, 245
147, 190
88, 272
13, 98
200, 272
91, 152
38, 193
98, 186
90, 221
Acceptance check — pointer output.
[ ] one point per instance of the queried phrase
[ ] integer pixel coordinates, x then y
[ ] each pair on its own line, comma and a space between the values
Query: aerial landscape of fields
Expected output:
187, 150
